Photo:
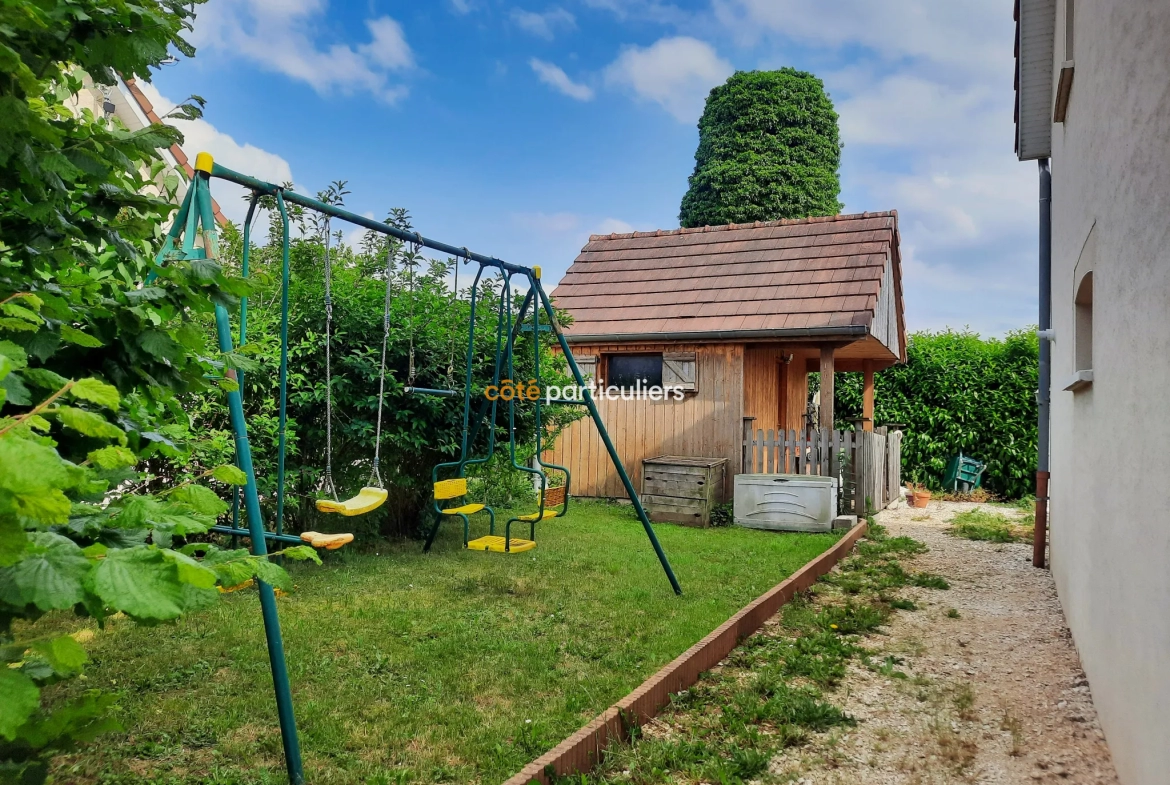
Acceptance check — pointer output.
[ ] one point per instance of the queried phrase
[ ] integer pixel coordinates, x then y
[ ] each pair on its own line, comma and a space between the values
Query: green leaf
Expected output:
112, 457
17, 311
48, 509
232, 475
65, 655
228, 385
15, 391
6, 367
44, 379
50, 576
145, 294
28, 468
12, 541
190, 336
191, 571
302, 553
14, 353
272, 573
141, 582
96, 392
17, 325
201, 499
81, 720
19, 698
89, 423
79, 338
161, 345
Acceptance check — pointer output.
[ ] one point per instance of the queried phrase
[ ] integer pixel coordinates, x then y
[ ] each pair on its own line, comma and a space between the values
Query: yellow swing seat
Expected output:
368, 498
538, 516
466, 509
495, 543
329, 542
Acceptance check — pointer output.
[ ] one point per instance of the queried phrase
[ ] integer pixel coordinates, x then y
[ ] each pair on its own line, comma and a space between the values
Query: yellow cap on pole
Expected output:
536, 271
204, 162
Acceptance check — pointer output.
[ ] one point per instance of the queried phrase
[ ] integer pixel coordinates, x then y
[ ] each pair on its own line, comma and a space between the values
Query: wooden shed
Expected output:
735, 317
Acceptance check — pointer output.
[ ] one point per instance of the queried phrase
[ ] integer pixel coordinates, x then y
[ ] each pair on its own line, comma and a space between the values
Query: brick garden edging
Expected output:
583, 750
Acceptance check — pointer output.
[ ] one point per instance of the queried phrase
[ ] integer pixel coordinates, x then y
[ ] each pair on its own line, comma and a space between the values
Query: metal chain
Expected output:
376, 475
417, 247
451, 353
329, 486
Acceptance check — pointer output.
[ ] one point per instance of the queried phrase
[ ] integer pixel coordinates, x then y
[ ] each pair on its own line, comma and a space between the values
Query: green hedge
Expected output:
959, 392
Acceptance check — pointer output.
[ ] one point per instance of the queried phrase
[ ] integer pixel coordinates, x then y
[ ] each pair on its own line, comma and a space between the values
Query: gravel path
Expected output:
993, 695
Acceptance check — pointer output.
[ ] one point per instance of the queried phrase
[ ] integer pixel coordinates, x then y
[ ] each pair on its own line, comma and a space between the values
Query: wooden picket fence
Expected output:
868, 464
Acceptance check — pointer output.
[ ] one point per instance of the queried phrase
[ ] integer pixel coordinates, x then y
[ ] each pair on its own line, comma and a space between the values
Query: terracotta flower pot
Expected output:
920, 498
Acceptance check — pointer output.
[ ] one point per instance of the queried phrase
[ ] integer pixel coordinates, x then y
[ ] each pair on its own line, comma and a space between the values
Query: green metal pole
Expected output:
282, 428
284, 707
243, 339
617, 462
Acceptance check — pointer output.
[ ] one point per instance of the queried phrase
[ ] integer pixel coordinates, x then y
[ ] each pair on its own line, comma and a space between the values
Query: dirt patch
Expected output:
984, 685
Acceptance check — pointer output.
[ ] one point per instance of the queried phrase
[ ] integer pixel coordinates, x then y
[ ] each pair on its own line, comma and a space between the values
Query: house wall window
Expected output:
1083, 324
626, 370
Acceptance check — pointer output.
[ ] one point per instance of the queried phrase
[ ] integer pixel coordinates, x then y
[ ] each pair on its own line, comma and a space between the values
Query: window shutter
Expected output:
679, 369
588, 366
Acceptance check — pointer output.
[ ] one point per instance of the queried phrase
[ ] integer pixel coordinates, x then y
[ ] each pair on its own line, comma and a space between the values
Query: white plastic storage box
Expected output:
785, 502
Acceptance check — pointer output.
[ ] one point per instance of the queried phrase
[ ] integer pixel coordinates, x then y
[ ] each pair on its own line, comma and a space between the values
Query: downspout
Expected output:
1043, 395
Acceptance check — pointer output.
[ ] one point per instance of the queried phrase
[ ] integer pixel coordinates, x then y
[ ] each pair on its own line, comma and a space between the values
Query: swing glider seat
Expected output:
495, 544
368, 498
466, 509
329, 542
553, 497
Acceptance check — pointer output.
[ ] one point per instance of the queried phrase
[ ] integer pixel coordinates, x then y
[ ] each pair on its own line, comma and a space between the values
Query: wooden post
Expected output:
867, 397
827, 370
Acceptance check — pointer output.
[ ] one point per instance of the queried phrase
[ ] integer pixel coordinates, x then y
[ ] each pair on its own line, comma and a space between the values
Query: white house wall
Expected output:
1111, 442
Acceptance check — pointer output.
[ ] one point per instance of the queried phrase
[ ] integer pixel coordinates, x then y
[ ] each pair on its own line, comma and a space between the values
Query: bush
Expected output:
957, 393
768, 149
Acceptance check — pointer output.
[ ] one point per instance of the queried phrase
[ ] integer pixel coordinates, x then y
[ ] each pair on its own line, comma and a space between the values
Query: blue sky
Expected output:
518, 127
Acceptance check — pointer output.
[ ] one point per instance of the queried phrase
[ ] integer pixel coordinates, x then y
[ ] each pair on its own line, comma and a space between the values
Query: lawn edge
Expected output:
583, 750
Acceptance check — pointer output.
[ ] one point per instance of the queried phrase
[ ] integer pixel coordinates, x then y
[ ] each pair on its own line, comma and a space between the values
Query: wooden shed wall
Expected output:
762, 367
707, 423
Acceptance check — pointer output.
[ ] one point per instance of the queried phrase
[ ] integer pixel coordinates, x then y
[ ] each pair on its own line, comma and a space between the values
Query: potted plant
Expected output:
918, 495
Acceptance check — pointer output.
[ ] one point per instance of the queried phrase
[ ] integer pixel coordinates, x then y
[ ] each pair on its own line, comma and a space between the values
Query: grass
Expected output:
990, 526
775, 691
449, 667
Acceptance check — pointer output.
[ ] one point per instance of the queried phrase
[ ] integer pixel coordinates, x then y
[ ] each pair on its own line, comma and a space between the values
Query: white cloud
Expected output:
557, 79
283, 36
613, 226
201, 136
964, 34
544, 25
648, 10
461, 7
676, 73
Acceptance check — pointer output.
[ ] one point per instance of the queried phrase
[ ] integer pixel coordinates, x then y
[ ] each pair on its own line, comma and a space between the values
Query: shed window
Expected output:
678, 370
626, 370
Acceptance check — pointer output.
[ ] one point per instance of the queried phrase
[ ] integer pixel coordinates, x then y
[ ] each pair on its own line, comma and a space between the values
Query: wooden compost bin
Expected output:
680, 489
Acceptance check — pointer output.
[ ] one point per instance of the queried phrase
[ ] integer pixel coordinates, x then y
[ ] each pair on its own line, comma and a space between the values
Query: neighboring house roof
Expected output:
829, 278
180, 160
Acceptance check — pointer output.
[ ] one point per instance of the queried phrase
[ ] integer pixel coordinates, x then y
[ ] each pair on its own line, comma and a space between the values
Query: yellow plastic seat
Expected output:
495, 543
367, 499
538, 516
467, 509
329, 542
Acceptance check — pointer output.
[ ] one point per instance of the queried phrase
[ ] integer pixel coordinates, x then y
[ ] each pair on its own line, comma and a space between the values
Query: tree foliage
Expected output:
960, 393
768, 149
92, 366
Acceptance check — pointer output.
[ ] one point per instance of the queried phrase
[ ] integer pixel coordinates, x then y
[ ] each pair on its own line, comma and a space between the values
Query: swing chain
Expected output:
375, 473
329, 486
415, 250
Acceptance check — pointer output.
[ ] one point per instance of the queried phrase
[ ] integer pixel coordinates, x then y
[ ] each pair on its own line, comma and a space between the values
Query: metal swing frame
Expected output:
196, 215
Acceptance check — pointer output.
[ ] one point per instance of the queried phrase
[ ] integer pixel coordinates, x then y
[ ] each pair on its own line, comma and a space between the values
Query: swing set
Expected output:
195, 219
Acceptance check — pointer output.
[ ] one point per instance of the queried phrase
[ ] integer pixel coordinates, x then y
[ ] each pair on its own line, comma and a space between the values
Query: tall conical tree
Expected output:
768, 149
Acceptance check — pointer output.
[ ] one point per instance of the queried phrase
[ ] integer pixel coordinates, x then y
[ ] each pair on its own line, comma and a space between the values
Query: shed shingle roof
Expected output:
816, 275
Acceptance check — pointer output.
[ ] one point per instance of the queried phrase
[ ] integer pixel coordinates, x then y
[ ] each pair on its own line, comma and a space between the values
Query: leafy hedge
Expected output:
959, 392
768, 149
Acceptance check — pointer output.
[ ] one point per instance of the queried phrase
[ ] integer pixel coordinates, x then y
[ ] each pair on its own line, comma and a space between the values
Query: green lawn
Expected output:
449, 667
